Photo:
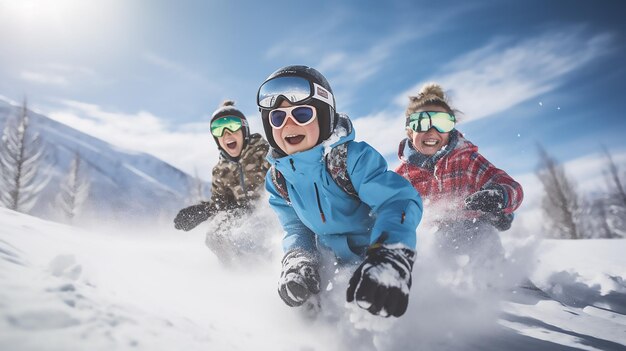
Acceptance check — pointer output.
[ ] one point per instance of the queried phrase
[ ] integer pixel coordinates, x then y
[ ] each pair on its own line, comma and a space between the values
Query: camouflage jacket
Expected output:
235, 183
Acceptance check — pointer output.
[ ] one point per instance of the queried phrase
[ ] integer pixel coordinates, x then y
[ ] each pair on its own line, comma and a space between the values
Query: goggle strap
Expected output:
322, 94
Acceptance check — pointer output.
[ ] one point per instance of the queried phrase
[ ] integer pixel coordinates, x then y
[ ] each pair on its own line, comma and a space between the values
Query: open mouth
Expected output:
231, 144
431, 143
294, 139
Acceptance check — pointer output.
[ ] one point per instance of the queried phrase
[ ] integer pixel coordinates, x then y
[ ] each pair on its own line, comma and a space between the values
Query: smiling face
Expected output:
292, 138
430, 141
231, 142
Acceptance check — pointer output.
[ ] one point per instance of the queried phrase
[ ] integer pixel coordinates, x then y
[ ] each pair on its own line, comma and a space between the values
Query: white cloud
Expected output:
383, 131
503, 73
347, 68
44, 78
57, 74
589, 172
492, 79
70, 69
188, 146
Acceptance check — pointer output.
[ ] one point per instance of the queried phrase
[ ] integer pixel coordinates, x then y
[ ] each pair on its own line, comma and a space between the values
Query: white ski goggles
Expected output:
294, 89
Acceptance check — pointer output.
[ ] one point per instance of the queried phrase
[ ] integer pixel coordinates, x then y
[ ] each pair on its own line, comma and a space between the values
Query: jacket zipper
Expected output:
317, 193
319, 204
241, 178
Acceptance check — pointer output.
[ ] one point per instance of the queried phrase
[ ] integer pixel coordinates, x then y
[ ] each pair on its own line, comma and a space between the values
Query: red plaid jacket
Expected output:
454, 173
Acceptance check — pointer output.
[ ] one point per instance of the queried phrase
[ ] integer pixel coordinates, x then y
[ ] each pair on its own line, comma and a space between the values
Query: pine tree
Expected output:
74, 190
561, 202
614, 174
616, 202
21, 155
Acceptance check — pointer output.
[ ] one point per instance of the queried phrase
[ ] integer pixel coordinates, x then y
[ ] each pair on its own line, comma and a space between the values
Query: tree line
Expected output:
568, 214
25, 172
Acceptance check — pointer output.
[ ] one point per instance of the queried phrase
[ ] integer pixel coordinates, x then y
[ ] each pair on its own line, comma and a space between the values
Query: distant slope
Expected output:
125, 185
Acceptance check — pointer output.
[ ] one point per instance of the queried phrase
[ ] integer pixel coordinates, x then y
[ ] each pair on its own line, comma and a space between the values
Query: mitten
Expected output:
299, 278
382, 282
188, 218
488, 200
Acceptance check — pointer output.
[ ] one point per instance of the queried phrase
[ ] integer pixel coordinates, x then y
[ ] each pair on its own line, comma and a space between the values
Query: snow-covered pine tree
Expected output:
605, 228
74, 190
21, 155
561, 202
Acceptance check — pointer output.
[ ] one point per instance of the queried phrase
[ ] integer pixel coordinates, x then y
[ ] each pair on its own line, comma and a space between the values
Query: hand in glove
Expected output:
488, 200
299, 278
501, 221
382, 282
188, 218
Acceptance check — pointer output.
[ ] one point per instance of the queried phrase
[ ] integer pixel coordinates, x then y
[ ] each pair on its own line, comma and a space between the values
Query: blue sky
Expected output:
146, 75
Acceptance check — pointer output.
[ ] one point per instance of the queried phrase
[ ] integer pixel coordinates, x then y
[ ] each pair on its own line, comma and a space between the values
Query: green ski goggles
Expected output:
231, 123
443, 122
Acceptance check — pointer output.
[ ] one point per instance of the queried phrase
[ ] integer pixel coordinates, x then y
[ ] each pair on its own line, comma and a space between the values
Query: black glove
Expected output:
382, 282
188, 218
501, 221
488, 200
299, 278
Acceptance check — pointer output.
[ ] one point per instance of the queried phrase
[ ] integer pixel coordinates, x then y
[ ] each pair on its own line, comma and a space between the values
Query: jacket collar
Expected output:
407, 152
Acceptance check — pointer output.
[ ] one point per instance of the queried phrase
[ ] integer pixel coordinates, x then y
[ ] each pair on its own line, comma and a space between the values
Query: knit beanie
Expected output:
227, 108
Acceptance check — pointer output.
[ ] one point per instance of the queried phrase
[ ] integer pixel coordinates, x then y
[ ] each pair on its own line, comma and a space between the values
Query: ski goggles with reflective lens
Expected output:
231, 123
301, 115
295, 89
443, 122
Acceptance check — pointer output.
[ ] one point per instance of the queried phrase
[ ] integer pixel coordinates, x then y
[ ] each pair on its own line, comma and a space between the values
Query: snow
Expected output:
339, 132
64, 288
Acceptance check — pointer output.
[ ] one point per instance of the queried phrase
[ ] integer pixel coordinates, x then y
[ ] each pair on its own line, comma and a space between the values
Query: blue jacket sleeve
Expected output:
297, 235
396, 204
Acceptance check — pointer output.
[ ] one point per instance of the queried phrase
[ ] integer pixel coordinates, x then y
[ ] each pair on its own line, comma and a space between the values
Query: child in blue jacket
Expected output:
350, 204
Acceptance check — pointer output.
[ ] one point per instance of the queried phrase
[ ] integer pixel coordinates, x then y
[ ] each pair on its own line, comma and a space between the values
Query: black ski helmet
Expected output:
227, 108
326, 113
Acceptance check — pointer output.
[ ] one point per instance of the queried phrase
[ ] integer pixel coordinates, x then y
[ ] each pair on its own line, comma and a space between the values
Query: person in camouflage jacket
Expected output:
239, 181
238, 178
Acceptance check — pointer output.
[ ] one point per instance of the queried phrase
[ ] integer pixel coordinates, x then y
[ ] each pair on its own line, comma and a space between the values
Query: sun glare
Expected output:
55, 25
32, 11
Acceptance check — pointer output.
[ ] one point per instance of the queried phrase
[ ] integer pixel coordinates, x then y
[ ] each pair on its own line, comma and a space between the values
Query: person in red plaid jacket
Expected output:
465, 196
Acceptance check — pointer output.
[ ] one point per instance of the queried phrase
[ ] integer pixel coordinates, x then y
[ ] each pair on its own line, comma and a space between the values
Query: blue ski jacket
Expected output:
320, 213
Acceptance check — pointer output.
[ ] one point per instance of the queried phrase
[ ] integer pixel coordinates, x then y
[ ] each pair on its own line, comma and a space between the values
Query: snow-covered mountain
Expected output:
123, 184
60, 289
